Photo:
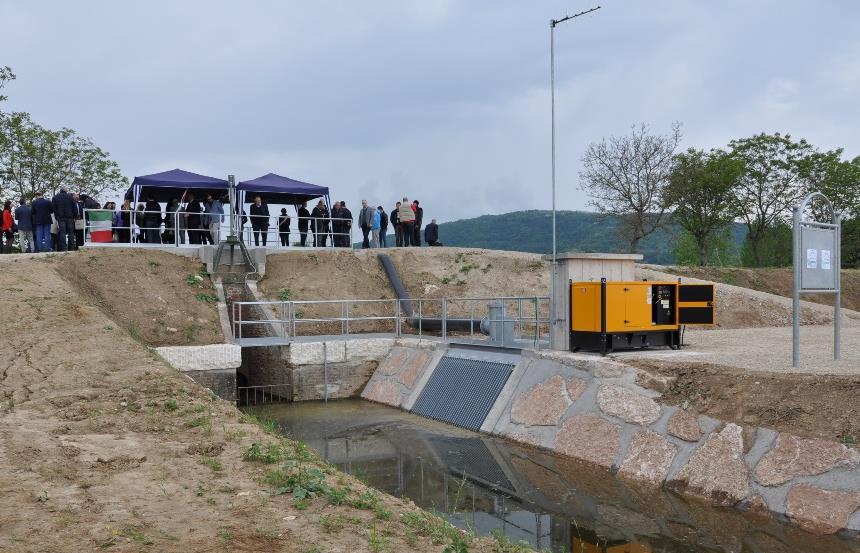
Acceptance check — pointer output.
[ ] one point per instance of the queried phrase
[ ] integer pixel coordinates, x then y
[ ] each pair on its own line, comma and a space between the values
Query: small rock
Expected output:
627, 404
685, 425
171, 329
793, 456
649, 458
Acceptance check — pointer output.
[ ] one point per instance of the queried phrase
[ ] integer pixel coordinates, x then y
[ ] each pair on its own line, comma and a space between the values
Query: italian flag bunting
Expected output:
101, 225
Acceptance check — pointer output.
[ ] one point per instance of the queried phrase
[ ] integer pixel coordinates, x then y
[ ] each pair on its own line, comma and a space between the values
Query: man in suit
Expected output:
304, 219
259, 220
419, 217
42, 223
24, 216
63, 206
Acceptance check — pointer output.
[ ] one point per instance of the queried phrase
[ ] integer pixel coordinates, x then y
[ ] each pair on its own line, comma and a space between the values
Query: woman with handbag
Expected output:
7, 226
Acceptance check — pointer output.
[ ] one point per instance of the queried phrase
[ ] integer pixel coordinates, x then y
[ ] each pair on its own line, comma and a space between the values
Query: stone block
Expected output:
820, 511
684, 424
627, 404
305, 353
590, 438
367, 349
649, 458
383, 391
202, 358
717, 470
413, 367
543, 404
793, 456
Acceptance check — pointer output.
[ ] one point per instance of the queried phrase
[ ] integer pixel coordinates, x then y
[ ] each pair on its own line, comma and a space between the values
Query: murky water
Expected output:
553, 503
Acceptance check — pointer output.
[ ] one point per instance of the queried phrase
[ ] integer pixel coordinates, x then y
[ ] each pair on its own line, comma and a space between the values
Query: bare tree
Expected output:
625, 176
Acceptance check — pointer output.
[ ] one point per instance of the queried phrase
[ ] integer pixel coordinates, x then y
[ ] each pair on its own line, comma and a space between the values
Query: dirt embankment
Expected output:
104, 447
818, 406
160, 298
773, 280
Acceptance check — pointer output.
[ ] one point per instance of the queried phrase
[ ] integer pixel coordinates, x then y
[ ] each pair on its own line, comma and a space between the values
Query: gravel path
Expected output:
766, 349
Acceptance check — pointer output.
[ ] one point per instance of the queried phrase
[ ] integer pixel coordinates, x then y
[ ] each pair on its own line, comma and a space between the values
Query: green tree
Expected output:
625, 176
774, 247
721, 250
701, 194
776, 176
6, 76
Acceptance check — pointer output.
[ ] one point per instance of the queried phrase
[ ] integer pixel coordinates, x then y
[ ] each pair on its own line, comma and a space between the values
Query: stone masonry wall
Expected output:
591, 409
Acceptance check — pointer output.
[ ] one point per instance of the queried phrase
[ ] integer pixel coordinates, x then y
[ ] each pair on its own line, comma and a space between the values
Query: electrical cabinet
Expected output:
613, 315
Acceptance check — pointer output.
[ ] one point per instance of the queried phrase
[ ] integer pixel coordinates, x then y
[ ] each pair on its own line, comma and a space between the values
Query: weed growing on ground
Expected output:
460, 257
487, 268
170, 405
338, 496
194, 280
206, 298
376, 541
225, 534
154, 264
313, 257
505, 545
134, 331
302, 481
430, 526
285, 294
535, 265
212, 463
271, 535
368, 499
459, 544
190, 332
233, 435
204, 422
268, 454
268, 425
333, 523
137, 536
43, 497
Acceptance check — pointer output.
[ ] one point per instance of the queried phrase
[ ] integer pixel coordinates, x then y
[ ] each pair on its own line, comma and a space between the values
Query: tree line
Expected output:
646, 180
35, 159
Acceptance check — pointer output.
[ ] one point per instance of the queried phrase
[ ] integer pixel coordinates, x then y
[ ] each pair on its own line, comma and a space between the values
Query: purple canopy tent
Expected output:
173, 184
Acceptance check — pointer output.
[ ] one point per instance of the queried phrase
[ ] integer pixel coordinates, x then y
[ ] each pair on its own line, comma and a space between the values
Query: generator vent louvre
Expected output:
462, 391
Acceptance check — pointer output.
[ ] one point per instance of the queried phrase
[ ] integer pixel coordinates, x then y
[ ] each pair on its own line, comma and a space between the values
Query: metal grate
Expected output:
261, 395
471, 457
462, 391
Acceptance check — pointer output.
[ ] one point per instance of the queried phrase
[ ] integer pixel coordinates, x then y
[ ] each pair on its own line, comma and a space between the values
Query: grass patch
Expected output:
212, 463
234, 435
303, 482
334, 523
195, 280
505, 545
377, 541
137, 536
225, 534
153, 264
285, 294
170, 405
430, 526
204, 422
268, 454
134, 331
206, 298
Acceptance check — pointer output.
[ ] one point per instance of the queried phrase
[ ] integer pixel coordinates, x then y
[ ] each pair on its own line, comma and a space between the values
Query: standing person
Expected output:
7, 224
383, 226
215, 211
192, 219
259, 220
42, 222
24, 216
407, 222
395, 221
346, 221
284, 227
171, 213
419, 217
63, 205
152, 220
374, 228
124, 229
431, 234
80, 223
337, 225
365, 221
319, 221
304, 219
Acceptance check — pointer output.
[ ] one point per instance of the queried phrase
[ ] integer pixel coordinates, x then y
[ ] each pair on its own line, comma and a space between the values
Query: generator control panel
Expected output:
662, 304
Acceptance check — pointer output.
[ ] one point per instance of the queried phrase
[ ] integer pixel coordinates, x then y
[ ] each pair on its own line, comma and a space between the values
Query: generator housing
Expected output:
605, 316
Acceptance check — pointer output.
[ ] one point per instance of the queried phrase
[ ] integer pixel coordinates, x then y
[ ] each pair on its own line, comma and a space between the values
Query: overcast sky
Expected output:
441, 100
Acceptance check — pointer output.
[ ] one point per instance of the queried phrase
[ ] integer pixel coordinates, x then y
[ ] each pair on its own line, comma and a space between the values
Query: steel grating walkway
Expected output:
462, 391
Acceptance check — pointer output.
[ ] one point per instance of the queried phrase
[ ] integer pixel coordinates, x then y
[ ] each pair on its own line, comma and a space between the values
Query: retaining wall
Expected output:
591, 409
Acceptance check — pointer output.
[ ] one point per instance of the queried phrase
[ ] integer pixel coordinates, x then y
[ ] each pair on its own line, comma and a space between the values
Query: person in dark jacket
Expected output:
42, 222
395, 222
284, 227
419, 217
383, 226
431, 234
64, 209
259, 220
319, 224
304, 220
346, 224
336, 224
24, 217
79, 220
192, 220
152, 221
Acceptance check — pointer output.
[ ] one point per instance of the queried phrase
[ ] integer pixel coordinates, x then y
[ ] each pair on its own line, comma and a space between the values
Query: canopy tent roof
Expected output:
173, 183
283, 190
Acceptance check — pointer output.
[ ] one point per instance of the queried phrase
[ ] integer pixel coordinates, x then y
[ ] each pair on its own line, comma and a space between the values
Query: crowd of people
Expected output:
59, 223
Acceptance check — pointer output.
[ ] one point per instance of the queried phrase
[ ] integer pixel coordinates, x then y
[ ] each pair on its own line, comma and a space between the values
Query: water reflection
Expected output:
550, 502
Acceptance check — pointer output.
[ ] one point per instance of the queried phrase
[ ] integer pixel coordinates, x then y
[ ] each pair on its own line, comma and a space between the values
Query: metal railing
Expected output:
507, 320
130, 226
261, 395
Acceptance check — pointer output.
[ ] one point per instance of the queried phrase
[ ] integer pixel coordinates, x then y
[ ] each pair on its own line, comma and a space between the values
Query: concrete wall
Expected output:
591, 409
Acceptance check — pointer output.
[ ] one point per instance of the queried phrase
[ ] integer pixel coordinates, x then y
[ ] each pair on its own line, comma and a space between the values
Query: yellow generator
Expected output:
605, 316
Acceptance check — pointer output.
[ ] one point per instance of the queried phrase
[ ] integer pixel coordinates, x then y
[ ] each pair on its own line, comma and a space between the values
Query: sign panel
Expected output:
817, 271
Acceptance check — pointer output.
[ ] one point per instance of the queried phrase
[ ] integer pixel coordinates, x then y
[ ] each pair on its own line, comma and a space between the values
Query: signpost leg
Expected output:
837, 301
795, 296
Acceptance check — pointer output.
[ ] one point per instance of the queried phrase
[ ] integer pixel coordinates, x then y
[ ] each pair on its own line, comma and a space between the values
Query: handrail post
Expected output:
397, 318
444, 319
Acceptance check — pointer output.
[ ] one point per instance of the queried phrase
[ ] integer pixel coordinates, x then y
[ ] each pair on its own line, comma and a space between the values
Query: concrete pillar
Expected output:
583, 267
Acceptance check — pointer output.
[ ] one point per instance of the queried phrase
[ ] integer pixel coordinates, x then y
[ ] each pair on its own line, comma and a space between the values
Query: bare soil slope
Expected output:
104, 447
161, 298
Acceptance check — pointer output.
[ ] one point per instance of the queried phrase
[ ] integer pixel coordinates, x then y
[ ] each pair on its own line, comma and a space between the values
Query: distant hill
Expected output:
582, 231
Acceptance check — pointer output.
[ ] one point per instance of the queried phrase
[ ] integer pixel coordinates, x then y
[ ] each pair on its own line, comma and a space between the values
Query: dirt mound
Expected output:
817, 406
739, 307
160, 298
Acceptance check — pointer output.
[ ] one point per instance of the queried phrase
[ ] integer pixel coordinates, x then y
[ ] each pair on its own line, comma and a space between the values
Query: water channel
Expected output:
553, 503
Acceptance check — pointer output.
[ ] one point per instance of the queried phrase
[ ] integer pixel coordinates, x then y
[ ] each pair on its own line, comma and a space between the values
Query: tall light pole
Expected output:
552, 24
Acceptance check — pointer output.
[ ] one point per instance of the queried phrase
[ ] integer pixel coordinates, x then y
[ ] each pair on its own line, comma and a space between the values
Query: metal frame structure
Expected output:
527, 324
800, 226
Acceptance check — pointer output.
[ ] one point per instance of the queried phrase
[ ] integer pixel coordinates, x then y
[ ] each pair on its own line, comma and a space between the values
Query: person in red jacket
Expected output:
6, 226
